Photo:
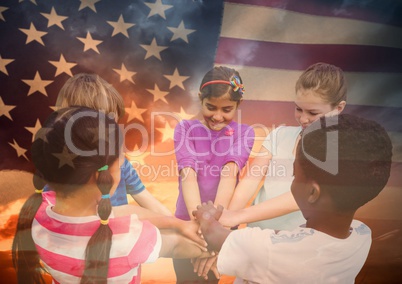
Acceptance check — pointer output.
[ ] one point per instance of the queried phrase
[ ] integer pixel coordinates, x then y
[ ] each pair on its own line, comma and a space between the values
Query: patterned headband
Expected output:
235, 83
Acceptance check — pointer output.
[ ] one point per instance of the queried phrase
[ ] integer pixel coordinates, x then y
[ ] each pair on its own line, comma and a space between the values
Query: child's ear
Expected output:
315, 192
341, 106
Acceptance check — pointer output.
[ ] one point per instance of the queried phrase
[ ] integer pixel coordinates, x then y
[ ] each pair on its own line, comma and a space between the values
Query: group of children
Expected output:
78, 226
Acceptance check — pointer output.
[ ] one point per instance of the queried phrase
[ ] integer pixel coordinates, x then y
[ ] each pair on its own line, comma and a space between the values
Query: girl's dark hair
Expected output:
25, 257
72, 145
218, 90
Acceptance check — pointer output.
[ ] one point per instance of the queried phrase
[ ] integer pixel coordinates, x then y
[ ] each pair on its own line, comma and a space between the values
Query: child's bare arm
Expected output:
271, 208
191, 191
186, 228
227, 184
147, 200
249, 183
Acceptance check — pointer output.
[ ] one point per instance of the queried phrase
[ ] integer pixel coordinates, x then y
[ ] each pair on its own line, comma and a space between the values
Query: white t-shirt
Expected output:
280, 142
303, 255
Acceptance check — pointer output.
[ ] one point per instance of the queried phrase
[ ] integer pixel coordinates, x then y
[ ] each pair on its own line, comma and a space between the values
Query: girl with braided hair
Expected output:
73, 232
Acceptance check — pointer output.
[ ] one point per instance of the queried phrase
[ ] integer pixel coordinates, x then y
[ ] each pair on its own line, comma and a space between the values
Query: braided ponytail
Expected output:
68, 171
24, 254
25, 257
98, 248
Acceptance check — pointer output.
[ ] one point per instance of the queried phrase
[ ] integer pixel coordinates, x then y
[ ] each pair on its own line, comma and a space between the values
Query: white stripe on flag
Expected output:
271, 24
279, 85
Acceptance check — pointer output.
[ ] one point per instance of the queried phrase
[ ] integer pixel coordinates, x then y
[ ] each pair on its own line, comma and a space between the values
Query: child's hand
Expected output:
203, 265
190, 229
207, 211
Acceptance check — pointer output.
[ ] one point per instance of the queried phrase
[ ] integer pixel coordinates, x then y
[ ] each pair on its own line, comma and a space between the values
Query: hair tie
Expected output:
105, 196
104, 168
39, 191
104, 222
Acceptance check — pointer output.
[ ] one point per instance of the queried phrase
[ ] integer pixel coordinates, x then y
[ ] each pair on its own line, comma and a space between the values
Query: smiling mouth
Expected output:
215, 125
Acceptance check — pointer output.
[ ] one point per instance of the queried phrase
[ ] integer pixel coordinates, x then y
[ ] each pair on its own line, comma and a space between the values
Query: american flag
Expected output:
272, 41
155, 52
152, 52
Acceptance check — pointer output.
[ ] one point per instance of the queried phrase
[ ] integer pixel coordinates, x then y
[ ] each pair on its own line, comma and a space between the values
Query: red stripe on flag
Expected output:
375, 11
352, 58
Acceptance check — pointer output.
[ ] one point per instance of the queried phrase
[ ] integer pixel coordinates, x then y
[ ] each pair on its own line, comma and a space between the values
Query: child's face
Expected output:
218, 112
310, 107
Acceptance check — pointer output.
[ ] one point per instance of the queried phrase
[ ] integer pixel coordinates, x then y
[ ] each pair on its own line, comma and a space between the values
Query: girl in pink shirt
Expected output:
211, 152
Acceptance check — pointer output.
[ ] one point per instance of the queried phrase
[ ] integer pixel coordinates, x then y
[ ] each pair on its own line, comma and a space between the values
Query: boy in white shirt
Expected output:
342, 163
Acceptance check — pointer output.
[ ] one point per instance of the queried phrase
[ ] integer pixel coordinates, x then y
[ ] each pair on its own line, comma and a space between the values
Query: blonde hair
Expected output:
90, 90
325, 79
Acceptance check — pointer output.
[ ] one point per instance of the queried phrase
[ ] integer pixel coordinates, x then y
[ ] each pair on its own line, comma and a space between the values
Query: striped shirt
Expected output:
130, 183
61, 242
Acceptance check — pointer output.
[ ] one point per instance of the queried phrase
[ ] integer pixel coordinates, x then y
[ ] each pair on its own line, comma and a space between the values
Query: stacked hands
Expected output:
206, 215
